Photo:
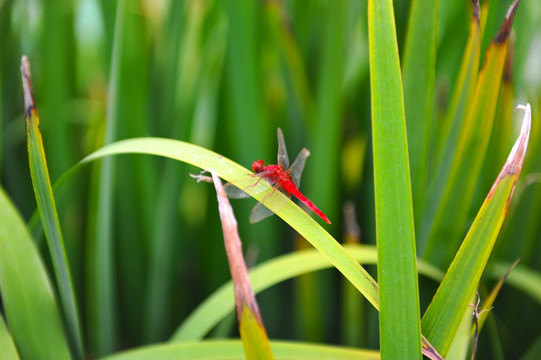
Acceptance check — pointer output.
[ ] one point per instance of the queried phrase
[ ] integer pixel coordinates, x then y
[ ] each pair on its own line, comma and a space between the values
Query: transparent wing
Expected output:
283, 159
234, 192
298, 166
259, 212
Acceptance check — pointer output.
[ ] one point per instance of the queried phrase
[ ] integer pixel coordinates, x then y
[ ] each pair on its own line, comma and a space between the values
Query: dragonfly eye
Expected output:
258, 166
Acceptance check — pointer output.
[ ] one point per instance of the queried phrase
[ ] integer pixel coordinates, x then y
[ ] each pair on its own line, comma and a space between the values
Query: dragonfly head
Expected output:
258, 166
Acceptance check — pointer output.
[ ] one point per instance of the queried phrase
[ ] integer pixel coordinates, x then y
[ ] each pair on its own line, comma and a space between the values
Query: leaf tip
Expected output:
476, 11
29, 103
503, 34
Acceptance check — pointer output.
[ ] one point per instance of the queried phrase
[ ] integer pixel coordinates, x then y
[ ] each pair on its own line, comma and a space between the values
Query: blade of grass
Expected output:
101, 315
419, 73
397, 272
443, 316
49, 217
27, 295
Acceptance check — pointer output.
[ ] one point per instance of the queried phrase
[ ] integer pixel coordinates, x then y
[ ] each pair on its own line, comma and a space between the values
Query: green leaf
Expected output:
419, 73
219, 304
232, 349
240, 177
99, 252
27, 295
47, 209
443, 316
397, 273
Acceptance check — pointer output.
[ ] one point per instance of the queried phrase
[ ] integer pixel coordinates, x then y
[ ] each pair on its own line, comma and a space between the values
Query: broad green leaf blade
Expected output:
232, 349
47, 209
419, 73
397, 273
7, 346
458, 194
27, 295
251, 328
277, 202
443, 316
218, 305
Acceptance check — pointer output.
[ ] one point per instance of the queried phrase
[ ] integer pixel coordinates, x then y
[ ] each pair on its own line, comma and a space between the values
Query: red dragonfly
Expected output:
287, 181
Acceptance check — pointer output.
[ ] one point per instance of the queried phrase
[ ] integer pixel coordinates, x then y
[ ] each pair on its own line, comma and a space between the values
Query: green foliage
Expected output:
429, 104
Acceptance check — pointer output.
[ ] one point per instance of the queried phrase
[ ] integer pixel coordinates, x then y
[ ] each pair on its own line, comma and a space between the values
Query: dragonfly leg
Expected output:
257, 182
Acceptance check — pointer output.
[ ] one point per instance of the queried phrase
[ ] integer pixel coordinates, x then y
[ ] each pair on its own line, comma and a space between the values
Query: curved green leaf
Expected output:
27, 295
267, 274
397, 273
277, 202
232, 349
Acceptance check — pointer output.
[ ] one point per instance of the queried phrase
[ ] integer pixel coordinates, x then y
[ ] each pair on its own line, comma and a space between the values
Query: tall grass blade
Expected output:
397, 272
419, 76
101, 314
49, 217
443, 316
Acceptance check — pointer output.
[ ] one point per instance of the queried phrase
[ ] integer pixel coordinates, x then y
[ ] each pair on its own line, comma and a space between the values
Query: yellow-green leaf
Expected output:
47, 209
443, 316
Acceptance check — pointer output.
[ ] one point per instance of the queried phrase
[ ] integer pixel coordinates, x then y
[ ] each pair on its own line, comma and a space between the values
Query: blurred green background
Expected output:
224, 75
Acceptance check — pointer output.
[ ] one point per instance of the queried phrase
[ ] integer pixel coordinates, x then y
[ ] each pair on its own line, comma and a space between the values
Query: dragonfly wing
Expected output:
234, 192
298, 166
283, 159
259, 212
